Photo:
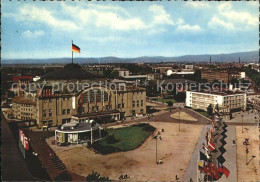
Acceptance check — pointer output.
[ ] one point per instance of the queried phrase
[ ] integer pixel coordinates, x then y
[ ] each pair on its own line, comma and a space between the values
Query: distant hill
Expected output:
252, 56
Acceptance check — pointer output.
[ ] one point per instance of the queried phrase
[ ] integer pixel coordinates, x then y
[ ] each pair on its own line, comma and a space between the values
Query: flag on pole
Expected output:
200, 166
213, 122
206, 135
214, 171
204, 147
75, 48
203, 157
223, 169
211, 145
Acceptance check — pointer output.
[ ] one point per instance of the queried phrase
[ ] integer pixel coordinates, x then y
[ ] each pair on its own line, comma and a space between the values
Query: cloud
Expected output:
197, 4
253, 3
33, 14
117, 18
184, 27
230, 19
215, 22
160, 15
189, 28
180, 21
113, 17
116, 9
29, 34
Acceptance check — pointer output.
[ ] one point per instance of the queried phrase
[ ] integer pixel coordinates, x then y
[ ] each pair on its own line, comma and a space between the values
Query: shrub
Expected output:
111, 139
105, 149
64, 176
94, 176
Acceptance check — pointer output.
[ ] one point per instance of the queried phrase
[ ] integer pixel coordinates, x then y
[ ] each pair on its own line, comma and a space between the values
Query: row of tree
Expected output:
254, 75
94, 176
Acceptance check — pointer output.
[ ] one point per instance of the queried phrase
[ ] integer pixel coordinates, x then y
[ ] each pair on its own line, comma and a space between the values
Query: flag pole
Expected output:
72, 52
198, 168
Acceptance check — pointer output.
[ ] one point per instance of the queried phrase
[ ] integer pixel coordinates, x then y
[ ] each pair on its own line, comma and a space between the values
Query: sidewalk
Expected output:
229, 155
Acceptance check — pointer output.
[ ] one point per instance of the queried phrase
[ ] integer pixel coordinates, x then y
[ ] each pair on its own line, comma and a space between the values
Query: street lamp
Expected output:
179, 118
155, 137
242, 123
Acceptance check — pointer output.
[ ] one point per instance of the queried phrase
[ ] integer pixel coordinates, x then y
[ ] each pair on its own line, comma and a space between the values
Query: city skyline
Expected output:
126, 29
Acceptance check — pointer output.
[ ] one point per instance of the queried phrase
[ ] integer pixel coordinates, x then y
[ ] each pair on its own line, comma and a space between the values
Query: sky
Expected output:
35, 29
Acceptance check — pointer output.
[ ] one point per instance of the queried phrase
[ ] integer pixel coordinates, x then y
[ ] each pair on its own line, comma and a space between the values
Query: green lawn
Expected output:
166, 100
124, 139
204, 113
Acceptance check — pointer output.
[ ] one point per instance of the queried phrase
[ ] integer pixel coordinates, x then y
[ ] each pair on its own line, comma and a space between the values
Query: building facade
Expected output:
230, 101
23, 109
211, 76
56, 110
50, 106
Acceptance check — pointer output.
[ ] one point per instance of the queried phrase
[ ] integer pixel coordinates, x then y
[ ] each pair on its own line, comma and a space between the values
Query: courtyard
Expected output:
175, 149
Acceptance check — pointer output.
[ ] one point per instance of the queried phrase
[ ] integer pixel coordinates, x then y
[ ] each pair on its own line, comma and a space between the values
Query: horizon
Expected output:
126, 30
209, 54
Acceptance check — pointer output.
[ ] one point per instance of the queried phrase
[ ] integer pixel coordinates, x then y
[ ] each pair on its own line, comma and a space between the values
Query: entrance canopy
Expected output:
87, 116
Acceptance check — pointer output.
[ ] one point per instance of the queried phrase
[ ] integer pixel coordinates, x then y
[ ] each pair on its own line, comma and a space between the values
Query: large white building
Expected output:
230, 101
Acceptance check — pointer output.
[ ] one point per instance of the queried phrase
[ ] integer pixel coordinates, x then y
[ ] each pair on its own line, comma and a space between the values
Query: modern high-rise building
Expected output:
229, 101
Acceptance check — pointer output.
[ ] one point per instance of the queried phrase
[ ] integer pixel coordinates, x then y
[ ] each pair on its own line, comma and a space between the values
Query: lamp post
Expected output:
242, 123
179, 118
155, 137
246, 143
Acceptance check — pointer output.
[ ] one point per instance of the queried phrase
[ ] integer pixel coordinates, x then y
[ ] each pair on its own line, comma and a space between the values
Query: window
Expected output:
142, 102
119, 106
63, 111
98, 96
93, 108
123, 105
50, 112
133, 103
105, 96
97, 108
44, 113
85, 97
68, 111
92, 96
138, 103
50, 122
107, 107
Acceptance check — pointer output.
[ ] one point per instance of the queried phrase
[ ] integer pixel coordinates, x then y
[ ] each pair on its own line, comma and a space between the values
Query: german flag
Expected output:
75, 48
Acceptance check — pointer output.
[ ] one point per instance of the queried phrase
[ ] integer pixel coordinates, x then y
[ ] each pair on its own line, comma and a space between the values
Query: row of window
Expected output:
26, 109
137, 103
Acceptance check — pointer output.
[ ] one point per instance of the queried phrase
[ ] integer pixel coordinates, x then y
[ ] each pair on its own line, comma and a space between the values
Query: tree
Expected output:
94, 176
180, 97
170, 103
64, 176
210, 110
216, 107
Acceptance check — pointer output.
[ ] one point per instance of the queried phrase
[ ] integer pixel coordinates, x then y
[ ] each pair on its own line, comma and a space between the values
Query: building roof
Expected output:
176, 81
70, 72
222, 93
95, 114
22, 100
78, 127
